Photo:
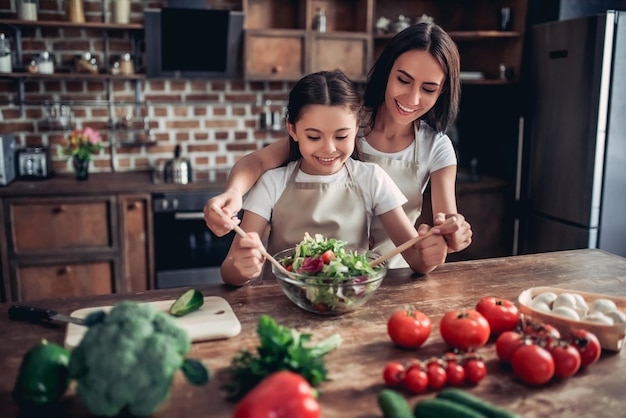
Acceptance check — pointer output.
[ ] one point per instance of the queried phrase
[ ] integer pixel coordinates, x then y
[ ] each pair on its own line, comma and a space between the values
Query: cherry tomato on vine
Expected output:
437, 376
409, 328
455, 373
502, 314
507, 343
587, 345
415, 380
465, 329
566, 360
394, 374
532, 364
475, 370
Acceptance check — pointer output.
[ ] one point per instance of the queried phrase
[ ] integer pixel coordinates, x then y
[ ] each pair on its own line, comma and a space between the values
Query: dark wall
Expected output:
570, 9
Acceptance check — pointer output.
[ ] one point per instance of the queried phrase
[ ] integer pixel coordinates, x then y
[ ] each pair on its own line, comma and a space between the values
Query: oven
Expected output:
186, 252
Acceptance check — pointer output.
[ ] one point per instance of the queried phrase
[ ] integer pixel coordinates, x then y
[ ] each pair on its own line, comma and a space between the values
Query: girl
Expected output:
412, 96
321, 189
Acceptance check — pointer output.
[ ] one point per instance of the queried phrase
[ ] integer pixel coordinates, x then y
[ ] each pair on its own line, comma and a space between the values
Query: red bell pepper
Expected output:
282, 394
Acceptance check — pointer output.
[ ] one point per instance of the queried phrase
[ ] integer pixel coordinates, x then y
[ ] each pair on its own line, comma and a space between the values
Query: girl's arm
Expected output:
244, 261
241, 178
458, 234
424, 256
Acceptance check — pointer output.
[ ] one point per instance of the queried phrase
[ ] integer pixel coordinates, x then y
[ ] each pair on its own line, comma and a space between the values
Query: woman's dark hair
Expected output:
424, 36
331, 88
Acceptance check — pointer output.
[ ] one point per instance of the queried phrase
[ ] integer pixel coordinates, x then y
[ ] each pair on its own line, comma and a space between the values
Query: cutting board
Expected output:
214, 320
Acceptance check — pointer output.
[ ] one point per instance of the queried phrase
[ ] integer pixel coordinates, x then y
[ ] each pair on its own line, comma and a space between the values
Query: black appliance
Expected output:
186, 252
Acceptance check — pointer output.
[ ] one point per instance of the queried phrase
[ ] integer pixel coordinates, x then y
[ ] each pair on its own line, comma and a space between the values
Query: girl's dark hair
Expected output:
331, 88
424, 36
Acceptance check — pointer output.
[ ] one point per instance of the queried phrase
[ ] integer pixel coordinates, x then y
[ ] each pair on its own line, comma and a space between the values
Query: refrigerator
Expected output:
576, 158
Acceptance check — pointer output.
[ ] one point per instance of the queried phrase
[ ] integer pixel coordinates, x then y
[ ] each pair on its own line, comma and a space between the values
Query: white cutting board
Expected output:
214, 320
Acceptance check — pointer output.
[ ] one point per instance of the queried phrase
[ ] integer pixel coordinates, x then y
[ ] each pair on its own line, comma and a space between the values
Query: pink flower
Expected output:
93, 135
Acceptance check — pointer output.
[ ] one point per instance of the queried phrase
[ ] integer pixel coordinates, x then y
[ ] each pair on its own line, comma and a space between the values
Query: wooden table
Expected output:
356, 366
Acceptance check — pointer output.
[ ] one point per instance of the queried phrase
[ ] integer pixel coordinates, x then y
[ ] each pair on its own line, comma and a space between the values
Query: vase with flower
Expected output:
81, 144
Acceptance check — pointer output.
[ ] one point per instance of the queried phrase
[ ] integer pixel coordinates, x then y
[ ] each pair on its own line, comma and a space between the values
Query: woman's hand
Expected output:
455, 230
230, 202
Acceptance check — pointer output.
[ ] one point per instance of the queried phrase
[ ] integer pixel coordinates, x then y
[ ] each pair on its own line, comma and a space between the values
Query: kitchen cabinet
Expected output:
76, 245
283, 40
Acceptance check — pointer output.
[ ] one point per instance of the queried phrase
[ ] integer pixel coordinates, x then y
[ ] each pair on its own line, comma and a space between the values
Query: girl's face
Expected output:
413, 87
326, 137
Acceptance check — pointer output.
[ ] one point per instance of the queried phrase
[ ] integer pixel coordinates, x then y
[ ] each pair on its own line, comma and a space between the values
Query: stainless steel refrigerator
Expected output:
576, 165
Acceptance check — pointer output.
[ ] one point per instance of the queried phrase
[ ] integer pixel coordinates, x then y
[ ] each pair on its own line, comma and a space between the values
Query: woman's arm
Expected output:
241, 178
424, 256
458, 234
244, 261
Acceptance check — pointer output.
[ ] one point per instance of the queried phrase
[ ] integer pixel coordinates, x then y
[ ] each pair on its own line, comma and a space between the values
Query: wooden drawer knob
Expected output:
133, 206
65, 270
59, 209
277, 69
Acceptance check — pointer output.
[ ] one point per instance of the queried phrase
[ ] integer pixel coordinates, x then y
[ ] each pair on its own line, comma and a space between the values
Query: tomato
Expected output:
587, 345
566, 360
393, 374
437, 376
507, 343
502, 314
455, 373
409, 328
465, 329
327, 256
542, 330
532, 364
415, 380
475, 370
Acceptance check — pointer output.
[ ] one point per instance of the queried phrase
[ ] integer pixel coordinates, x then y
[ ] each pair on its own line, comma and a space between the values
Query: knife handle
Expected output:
30, 313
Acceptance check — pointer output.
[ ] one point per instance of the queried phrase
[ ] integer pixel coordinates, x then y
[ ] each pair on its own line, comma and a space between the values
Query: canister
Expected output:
45, 63
127, 67
27, 10
121, 11
6, 64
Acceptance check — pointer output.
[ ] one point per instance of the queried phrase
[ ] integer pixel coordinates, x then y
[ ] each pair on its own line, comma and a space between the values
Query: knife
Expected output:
33, 314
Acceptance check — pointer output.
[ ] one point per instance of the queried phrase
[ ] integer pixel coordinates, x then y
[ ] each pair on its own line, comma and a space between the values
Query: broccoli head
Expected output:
127, 359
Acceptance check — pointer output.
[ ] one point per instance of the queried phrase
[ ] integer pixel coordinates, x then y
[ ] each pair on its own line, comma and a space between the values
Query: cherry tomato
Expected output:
587, 345
393, 374
566, 360
437, 376
532, 364
475, 370
465, 329
455, 373
415, 380
409, 328
507, 343
502, 314
540, 330
327, 256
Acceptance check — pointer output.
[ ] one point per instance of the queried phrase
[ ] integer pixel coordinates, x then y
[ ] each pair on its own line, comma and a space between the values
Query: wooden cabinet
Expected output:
76, 245
282, 40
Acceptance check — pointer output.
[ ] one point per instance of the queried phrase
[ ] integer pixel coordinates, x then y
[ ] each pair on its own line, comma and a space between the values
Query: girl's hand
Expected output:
230, 202
456, 231
247, 258
432, 248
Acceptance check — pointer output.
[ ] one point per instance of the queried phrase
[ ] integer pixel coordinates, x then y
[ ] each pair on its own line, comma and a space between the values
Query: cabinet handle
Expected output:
277, 69
59, 209
65, 270
133, 206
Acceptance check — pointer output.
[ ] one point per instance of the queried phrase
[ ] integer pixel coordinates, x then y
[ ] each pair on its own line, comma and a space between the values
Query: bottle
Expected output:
320, 20
27, 10
6, 64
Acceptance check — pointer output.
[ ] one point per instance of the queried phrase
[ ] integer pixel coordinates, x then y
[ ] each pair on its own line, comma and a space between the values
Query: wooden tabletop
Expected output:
356, 366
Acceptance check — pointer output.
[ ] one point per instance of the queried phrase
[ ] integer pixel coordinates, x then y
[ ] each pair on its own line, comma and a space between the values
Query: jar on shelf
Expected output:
320, 20
27, 9
127, 66
45, 63
75, 11
6, 63
121, 11
85, 63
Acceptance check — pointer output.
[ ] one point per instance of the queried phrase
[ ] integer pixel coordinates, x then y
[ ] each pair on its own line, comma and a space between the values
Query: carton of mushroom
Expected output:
566, 309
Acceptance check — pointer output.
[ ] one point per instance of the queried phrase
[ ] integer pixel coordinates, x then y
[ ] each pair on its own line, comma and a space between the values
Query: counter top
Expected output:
355, 368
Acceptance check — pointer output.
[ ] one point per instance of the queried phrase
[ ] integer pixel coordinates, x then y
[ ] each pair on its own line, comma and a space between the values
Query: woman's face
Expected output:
326, 137
414, 84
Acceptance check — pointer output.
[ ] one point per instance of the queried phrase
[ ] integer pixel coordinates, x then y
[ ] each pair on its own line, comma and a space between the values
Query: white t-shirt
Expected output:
435, 152
380, 193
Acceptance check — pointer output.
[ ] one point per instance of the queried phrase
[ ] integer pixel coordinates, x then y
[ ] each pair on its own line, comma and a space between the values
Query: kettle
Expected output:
177, 170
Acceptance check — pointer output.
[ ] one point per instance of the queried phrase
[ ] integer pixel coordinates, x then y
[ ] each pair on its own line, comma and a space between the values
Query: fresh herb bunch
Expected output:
281, 348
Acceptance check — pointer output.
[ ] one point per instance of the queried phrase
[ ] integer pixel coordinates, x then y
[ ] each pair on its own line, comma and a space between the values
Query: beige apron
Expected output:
335, 210
406, 176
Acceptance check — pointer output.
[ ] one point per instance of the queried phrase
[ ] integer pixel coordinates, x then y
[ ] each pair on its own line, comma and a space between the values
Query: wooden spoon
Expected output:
243, 234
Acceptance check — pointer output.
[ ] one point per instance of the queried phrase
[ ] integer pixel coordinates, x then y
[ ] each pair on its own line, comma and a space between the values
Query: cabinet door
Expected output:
348, 53
64, 280
274, 55
137, 251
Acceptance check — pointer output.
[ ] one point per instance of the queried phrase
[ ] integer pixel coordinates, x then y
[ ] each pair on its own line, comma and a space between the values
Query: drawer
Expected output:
55, 224
65, 280
274, 55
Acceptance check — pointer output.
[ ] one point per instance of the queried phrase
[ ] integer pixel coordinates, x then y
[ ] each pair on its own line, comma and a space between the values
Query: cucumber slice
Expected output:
188, 302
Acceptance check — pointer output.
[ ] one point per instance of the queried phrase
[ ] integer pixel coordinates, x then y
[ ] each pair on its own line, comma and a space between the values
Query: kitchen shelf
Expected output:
66, 24
72, 76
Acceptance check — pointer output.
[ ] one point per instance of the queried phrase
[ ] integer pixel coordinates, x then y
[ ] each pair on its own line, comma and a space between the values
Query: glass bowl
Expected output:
329, 295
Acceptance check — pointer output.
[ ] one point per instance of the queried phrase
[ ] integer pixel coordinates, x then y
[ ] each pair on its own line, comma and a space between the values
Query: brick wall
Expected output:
215, 122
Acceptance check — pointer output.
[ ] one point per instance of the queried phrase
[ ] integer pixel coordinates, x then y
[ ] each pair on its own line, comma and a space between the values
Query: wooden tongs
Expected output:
263, 251
407, 245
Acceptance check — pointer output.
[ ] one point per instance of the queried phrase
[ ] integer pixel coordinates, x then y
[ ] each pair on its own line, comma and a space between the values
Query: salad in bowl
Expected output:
327, 277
